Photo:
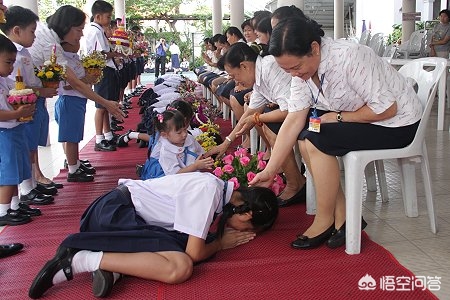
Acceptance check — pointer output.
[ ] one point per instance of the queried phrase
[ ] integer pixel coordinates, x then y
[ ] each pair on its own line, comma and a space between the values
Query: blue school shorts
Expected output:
14, 156
70, 114
36, 131
108, 87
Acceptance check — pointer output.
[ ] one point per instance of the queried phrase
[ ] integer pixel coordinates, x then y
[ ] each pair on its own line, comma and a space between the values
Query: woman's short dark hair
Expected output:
238, 53
445, 11
294, 36
285, 12
18, 16
246, 23
232, 30
6, 46
64, 18
264, 26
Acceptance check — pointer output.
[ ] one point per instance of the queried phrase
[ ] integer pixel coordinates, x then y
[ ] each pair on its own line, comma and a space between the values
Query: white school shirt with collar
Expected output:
25, 63
97, 40
171, 157
74, 62
355, 76
41, 49
6, 84
272, 84
183, 202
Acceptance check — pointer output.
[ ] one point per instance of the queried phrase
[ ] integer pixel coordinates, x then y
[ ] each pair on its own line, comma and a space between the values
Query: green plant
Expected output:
396, 36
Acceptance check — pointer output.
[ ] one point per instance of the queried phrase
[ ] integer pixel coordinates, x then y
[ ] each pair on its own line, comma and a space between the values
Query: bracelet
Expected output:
257, 120
228, 139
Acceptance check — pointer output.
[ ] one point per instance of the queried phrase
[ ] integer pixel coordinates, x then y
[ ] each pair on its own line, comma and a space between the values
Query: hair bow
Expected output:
160, 118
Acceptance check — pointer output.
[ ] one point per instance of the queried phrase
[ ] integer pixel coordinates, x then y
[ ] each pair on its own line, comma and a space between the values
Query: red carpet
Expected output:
266, 268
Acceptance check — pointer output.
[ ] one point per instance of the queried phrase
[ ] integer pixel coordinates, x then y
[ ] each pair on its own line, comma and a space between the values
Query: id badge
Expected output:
314, 124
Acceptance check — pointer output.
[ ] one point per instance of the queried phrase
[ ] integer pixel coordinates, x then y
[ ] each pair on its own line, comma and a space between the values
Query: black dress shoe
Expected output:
113, 119
79, 176
37, 198
83, 161
13, 218
102, 283
338, 238
44, 279
121, 140
48, 190
300, 197
104, 145
304, 242
10, 249
116, 127
53, 184
25, 209
87, 169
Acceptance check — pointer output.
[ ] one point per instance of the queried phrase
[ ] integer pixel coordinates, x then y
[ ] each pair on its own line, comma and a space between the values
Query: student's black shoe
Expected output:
10, 249
13, 218
83, 161
87, 169
25, 209
121, 140
37, 198
79, 176
104, 145
52, 183
103, 282
48, 190
114, 120
115, 127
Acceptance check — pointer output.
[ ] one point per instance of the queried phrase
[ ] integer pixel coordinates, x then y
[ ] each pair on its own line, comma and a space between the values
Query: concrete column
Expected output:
408, 26
30, 4
236, 13
298, 3
444, 4
338, 19
427, 12
119, 9
217, 16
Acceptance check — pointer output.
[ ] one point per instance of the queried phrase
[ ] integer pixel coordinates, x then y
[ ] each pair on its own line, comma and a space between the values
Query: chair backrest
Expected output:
365, 38
416, 41
422, 72
377, 44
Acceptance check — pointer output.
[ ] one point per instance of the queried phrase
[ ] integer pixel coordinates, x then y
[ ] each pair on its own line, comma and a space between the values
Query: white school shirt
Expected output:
41, 50
184, 202
272, 84
171, 157
74, 62
356, 76
25, 63
5, 85
96, 40
174, 49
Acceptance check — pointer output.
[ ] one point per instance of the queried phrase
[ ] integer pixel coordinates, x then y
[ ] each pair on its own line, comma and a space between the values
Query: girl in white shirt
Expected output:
157, 229
360, 102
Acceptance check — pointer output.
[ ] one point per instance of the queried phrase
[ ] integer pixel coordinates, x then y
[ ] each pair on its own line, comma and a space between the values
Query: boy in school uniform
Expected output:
108, 87
14, 156
20, 30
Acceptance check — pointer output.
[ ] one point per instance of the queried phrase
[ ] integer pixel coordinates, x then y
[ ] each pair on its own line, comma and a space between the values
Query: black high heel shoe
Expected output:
338, 238
44, 279
304, 242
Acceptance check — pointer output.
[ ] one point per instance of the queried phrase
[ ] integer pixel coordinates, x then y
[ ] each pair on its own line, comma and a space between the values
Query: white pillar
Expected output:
427, 12
236, 13
298, 3
408, 26
119, 9
338, 19
30, 4
88, 7
217, 16
444, 4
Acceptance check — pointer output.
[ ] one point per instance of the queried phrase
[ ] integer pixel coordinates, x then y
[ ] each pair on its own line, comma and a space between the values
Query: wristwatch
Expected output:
339, 117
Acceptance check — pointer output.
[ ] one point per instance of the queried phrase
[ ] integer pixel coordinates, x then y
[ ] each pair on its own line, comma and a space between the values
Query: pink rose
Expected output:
261, 155
228, 169
261, 165
241, 152
244, 160
228, 159
218, 172
250, 176
236, 183
276, 188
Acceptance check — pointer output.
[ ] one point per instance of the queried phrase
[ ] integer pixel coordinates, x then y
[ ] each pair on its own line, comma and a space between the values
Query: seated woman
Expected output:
137, 229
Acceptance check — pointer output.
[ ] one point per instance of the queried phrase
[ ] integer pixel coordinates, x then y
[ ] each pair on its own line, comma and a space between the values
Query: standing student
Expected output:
108, 87
142, 232
160, 60
14, 156
175, 57
20, 30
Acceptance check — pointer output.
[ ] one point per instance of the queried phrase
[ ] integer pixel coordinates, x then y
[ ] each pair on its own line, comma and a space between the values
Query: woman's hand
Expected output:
113, 108
47, 92
204, 163
90, 79
232, 238
264, 179
329, 117
219, 149
26, 110
245, 125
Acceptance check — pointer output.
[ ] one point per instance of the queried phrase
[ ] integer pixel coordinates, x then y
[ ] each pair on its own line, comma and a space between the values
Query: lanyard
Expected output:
315, 99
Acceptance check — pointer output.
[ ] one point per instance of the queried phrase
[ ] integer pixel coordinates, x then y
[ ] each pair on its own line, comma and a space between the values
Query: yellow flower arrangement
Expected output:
93, 64
209, 136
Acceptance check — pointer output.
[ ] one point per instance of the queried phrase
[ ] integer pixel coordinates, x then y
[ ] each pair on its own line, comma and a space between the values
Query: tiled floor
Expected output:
408, 239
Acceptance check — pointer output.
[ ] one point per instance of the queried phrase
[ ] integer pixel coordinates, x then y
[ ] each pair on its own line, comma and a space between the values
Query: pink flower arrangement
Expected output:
22, 99
241, 167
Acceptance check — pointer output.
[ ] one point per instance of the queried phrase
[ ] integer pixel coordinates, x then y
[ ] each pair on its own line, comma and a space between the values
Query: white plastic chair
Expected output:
356, 161
377, 44
365, 38
414, 47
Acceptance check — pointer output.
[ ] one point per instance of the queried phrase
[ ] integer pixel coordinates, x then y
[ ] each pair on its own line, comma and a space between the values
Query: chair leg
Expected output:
382, 181
225, 111
310, 194
371, 181
407, 169
253, 141
428, 191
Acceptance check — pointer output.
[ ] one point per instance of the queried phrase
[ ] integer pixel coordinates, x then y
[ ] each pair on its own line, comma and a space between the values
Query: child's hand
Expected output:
204, 163
26, 110
232, 238
47, 92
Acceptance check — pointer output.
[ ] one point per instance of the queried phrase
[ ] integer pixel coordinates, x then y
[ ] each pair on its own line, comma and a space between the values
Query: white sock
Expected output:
4, 209
26, 186
108, 135
99, 138
133, 135
73, 168
83, 261
15, 202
